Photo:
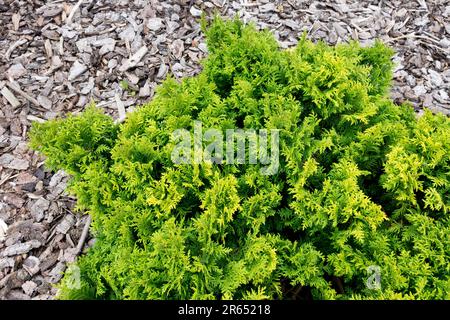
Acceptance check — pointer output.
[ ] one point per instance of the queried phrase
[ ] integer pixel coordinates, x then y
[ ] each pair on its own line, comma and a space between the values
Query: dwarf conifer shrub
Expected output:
358, 209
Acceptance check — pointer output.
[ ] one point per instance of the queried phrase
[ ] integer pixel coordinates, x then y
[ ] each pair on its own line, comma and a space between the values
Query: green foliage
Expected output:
362, 182
126, 87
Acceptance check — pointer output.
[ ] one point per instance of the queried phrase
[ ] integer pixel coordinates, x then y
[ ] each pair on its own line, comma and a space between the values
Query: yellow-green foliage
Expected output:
362, 182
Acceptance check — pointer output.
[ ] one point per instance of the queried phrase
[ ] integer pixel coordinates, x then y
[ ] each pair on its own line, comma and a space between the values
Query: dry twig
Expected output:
84, 235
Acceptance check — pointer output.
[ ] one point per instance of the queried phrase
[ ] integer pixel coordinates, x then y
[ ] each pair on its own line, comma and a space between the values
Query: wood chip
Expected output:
48, 48
3, 229
16, 21
32, 118
14, 46
7, 160
15, 87
16, 71
73, 11
31, 265
21, 248
134, 59
120, 108
9, 96
45, 102
177, 48
67, 222
76, 70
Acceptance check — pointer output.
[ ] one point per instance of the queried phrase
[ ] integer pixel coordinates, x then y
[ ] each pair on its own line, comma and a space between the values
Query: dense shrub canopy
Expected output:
361, 183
